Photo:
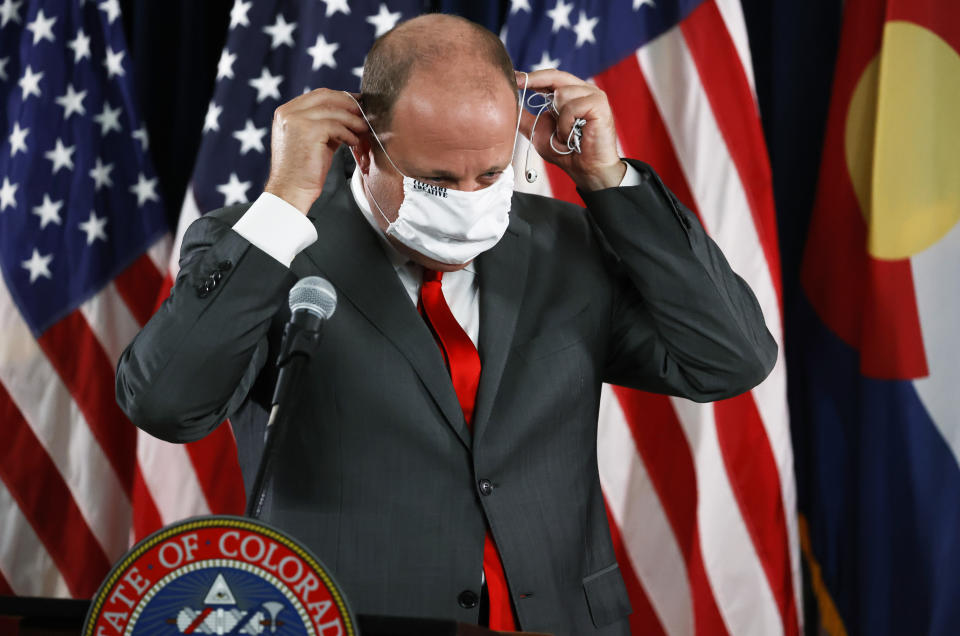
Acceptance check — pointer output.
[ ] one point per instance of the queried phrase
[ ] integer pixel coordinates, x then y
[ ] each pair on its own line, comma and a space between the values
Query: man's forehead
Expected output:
441, 91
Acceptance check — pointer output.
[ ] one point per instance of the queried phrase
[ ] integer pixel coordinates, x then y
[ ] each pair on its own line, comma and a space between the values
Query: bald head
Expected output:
449, 51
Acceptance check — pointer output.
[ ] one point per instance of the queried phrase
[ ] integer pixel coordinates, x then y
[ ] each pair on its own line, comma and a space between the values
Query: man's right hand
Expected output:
307, 130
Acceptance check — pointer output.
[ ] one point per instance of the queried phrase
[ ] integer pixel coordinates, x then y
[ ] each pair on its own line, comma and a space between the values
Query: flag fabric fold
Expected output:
879, 441
701, 498
82, 238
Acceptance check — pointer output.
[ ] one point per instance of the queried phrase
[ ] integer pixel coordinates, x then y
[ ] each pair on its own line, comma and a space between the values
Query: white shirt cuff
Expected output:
276, 227
631, 177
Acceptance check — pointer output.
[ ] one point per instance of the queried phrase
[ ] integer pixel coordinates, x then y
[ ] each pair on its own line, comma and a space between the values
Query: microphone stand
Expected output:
299, 343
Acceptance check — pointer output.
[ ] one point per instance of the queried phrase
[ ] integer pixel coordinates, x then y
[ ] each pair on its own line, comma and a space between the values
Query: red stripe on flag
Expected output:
138, 285
725, 83
755, 480
644, 619
146, 516
75, 353
82, 364
215, 460
669, 462
45, 500
640, 126
165, 288
562, 185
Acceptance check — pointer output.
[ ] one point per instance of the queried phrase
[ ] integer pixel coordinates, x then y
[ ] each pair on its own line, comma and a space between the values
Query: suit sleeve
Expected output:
683, 323
195, 361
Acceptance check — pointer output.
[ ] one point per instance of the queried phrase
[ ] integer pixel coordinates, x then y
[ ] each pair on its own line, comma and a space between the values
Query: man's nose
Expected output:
470, 186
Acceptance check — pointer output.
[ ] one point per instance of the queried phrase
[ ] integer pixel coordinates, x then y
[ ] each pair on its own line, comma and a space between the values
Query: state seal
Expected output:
219, 575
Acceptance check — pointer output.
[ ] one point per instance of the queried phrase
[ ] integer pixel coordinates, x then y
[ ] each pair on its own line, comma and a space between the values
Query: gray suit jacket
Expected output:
378, 474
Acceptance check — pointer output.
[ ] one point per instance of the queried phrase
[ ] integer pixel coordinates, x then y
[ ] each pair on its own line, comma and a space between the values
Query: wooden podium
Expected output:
32, 616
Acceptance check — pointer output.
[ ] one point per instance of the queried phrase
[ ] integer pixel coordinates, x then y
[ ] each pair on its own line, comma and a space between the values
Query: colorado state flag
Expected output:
879, 441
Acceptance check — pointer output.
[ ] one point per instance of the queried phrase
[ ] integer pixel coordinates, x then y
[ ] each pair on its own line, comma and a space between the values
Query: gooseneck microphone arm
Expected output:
312, 301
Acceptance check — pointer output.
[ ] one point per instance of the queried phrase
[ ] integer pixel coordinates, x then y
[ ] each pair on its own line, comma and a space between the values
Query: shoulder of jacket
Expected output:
543, 211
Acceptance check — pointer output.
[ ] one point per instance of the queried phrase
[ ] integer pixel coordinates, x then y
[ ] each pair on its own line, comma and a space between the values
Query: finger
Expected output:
324, 96
586, 107
343, 135
550, 80
566, 94
354, 122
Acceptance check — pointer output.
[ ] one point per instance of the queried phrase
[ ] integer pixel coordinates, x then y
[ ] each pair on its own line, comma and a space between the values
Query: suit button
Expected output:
204, 290
216, 276
468, 599
224, 265
486, 488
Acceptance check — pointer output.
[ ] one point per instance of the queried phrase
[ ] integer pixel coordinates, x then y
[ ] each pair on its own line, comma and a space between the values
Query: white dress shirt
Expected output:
282, 231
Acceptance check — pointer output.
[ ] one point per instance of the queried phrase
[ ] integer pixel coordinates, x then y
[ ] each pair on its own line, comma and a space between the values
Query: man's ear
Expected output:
363, 154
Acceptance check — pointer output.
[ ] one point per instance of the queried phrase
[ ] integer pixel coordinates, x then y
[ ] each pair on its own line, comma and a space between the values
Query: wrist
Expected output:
607, 177
297, 197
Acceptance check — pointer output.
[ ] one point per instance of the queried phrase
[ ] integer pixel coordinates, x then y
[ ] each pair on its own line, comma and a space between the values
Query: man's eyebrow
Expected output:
442, 174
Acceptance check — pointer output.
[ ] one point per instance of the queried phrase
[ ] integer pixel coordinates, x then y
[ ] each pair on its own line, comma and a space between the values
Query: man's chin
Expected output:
423, 260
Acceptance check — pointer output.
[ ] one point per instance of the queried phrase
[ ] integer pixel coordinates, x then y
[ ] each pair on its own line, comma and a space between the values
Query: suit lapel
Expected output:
350, 253
503, 276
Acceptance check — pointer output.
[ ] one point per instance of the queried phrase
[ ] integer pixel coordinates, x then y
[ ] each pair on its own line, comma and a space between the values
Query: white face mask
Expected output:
445, 225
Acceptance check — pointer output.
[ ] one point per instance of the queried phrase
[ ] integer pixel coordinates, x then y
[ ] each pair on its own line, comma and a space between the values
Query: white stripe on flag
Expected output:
732, 14
636, 508
170, 478
24, 560
56, 420
935, 272
111, 321
189, 213
159, 252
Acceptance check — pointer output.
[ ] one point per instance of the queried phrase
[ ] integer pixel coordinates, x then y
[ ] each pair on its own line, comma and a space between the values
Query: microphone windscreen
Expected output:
314, 294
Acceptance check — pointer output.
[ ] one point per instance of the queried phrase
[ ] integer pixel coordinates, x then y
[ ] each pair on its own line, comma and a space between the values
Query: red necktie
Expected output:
463, 362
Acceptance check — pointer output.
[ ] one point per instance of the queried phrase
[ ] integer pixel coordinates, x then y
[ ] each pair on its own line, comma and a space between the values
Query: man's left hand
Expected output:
598, 166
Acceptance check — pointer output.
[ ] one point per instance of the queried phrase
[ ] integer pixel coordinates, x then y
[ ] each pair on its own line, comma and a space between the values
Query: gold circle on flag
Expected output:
901, 140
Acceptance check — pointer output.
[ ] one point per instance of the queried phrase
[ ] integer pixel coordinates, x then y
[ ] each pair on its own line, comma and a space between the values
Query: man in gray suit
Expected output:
387, 473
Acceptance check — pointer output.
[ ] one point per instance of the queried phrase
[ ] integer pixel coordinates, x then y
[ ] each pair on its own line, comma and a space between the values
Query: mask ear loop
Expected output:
379, 143
523, 96
573, 139
529, 173
374, 132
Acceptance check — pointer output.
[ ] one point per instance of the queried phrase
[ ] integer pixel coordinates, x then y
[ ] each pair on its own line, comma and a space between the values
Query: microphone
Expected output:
312, 301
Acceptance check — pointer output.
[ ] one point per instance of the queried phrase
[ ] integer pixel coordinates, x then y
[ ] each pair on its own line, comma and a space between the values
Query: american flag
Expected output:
701, 498
275, 52
84, 248
81, 233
